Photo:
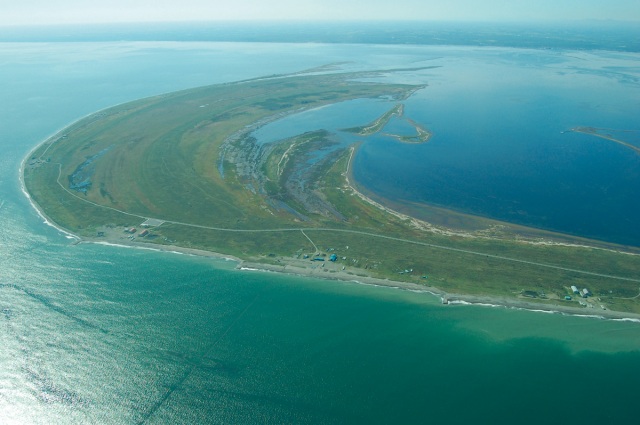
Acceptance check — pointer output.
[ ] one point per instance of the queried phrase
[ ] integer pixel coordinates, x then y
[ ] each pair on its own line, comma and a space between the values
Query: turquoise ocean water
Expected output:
103, 334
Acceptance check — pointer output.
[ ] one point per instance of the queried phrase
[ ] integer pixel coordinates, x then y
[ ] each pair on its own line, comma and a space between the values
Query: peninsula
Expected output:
599, 132
183, 171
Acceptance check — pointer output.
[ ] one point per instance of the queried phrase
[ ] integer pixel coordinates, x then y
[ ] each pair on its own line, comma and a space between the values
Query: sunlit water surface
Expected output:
101, 334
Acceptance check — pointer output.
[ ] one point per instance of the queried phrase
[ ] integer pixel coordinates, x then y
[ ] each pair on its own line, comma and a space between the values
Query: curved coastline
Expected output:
46, 219
446, 231
301, 270
448, 299
593, 131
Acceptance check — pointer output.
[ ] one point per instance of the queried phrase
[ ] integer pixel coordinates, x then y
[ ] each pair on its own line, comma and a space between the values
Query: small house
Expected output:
333, 257
575, 289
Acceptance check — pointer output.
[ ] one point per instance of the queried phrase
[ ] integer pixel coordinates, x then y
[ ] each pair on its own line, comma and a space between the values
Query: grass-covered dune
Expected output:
158, 157
187, 160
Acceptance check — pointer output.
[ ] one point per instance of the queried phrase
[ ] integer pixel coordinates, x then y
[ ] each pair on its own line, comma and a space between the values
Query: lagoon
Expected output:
103, 334
501, 145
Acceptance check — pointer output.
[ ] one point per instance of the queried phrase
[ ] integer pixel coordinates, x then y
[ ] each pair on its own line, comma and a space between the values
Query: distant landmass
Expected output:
579, 35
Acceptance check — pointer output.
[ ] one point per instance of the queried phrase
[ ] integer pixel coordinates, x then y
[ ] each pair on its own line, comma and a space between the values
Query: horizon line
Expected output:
323, 21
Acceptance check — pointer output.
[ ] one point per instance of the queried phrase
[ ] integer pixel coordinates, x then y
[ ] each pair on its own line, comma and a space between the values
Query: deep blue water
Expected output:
102, 334
499, 150
500, 146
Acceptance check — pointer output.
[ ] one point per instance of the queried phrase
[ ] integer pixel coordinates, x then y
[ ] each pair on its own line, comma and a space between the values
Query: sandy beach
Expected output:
327, 270
306, 268
297, 268
448, 299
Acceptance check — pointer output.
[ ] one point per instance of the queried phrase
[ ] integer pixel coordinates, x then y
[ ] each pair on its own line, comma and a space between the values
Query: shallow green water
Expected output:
162, 338
102, 334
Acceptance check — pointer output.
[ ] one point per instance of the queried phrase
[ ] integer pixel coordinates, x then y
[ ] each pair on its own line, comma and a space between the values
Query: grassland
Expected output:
379, 123
188, 160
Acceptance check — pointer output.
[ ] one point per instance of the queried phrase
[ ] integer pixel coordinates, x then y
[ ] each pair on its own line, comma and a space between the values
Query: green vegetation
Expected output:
378, 124
422, 134
188, 159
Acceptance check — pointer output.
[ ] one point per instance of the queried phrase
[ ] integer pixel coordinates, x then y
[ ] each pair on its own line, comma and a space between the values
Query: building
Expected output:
585, 293
575, 289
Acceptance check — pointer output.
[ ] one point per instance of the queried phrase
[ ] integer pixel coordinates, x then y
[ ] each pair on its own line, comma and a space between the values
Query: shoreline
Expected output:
446, 298
288, 267
422, 225
35, 206
449, 299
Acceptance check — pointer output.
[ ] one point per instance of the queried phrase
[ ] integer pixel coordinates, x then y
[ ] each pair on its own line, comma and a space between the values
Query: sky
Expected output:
37, 12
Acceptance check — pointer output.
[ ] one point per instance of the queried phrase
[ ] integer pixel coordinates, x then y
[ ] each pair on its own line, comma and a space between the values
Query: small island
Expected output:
182, 171
422, 135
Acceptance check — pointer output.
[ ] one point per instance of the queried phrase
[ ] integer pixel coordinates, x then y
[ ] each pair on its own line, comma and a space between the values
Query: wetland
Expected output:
95, 333
196, 162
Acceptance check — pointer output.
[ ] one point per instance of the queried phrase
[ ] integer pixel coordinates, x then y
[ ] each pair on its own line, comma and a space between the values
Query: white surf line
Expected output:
464, 251
357, 232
